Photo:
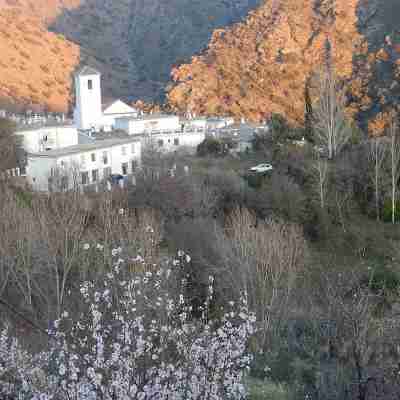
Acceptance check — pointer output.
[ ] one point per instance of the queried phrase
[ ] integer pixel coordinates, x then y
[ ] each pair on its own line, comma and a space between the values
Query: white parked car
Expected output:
262, 168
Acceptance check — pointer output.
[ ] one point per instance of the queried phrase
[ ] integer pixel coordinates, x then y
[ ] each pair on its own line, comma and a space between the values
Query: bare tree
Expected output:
320, 171
377, 151
11, 153
264, 261
330, 125
394, 161
65, 178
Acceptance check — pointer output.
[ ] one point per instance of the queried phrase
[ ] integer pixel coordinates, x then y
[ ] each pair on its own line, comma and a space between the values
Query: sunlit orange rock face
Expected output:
35, 65
262, 66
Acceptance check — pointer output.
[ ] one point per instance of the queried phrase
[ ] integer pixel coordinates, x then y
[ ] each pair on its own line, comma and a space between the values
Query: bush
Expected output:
209, 146
387, 211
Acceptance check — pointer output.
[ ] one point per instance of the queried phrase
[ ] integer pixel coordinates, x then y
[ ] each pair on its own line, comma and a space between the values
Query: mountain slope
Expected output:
143, 39
134, 43
262, 66
35, 65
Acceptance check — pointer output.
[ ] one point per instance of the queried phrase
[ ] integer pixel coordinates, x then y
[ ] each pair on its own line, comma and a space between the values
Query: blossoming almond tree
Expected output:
137, 340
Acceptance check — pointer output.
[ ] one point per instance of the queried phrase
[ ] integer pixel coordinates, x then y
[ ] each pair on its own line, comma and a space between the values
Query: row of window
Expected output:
93, 156
161, 142
93, 175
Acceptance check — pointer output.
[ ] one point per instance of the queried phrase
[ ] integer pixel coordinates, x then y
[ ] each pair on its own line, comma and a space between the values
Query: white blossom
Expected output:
115, 346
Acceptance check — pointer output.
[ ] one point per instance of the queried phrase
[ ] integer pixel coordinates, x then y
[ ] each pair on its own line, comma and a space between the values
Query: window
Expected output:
95, 175
105, 157
93, 157
106, 172
176, 141
123, 150
133, 148
85, 178
64, 183
124, 168
134, 165
82, 159
90, 84
160, 143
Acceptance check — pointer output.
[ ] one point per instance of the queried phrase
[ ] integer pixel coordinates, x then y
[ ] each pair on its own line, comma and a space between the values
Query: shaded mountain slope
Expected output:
143, 39
262, 66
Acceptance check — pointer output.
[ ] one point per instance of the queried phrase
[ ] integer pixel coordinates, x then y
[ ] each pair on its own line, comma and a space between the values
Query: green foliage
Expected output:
23, 198
265, 390
382, 279
356, 136
387, 211
255, 180
209, 147
279, 126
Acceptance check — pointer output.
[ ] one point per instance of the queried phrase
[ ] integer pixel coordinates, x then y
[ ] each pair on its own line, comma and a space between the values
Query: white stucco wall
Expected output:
217, 123
174, 141
88, 109
123, 124
37, 140
199, 123
108, 121
38, 171
149, 124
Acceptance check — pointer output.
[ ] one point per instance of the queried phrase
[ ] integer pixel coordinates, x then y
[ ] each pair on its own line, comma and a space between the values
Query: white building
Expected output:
170, 141
195, 123
149, 123
219, 122
89, 111
114, 110
83, 164
165, 132
35, 140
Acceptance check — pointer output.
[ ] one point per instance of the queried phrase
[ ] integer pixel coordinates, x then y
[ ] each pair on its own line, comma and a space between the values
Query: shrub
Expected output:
209, 146
387, 211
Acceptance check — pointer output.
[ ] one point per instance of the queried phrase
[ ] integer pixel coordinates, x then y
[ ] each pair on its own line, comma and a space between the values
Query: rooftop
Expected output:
34, 127
85, 147
150, 117
86, 70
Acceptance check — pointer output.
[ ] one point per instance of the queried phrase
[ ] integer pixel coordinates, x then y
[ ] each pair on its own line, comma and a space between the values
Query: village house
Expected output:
44, 138
83, 164
174, 141
149, 124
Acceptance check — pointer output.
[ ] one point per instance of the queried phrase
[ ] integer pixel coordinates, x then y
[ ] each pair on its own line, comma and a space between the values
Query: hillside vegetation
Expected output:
263, 65
35, 64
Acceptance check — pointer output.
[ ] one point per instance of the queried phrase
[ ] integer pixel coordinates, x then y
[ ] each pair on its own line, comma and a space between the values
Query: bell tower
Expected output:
88, 111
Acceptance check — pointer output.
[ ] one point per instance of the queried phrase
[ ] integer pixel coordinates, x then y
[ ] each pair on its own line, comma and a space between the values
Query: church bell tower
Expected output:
88, 108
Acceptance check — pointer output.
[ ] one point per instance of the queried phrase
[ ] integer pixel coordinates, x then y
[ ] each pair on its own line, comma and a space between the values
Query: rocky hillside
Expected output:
134, 43
35, 65
262, 66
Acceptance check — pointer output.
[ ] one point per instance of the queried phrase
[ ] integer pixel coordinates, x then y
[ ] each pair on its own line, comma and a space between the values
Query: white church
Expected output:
90, 113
